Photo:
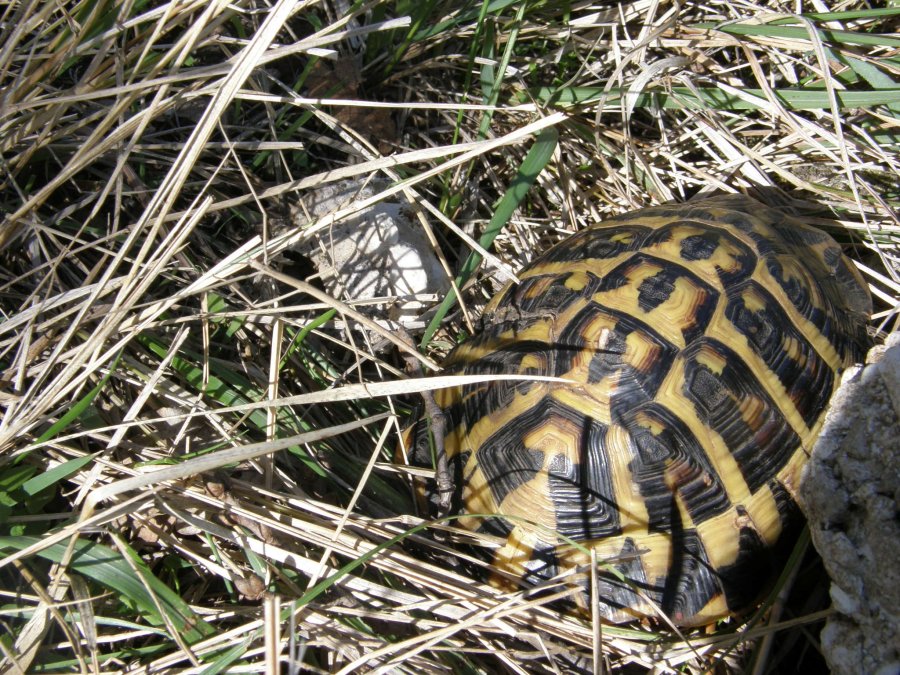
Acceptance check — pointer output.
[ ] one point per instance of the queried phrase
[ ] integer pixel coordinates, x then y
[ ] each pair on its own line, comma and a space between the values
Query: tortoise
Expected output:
698, 346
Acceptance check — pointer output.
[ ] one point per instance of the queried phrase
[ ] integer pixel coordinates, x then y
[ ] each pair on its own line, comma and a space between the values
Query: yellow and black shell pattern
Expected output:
700, 345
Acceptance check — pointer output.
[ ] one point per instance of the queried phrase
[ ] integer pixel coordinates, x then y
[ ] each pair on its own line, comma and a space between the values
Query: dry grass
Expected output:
196, 444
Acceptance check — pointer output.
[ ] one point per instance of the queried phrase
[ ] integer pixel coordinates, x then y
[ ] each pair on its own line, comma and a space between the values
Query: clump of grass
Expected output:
196, 446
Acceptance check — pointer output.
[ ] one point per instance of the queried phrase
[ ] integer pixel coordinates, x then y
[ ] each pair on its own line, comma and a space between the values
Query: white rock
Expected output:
377, 253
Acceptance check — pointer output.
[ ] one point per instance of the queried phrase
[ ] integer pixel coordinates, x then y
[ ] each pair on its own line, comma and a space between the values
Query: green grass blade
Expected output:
850, 15
875, 77
711, 98
54, 664
537, 158
492, 78
464, 17
835, 37
56, 474
328, 582
80, 406
107, 567
230, 657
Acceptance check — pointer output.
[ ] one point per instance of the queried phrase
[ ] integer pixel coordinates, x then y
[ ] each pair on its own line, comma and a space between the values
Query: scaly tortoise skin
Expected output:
703, 342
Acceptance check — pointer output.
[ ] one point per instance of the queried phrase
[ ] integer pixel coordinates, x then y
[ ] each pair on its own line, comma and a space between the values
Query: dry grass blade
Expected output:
191, 406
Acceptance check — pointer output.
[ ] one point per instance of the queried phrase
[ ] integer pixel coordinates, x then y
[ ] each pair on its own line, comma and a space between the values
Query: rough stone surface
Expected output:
379, 252
851, 492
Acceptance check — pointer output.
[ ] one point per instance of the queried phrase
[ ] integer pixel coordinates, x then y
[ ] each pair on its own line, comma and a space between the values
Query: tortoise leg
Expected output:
438, 424
442, 471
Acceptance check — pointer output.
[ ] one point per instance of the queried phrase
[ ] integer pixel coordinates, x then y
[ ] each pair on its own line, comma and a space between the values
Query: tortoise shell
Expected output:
699, 344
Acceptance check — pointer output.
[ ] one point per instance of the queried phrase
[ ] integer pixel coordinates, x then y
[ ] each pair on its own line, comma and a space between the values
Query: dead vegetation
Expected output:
197, 465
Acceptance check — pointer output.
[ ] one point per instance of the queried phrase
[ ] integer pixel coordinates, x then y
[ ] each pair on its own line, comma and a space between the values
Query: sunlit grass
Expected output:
197, 465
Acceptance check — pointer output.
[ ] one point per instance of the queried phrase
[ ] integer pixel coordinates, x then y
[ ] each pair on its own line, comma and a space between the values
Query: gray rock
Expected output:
851, 491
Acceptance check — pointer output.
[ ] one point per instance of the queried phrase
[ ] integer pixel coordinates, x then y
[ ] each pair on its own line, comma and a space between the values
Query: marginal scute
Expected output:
802, 372
587, 245
507, 463
545, 294
694, 583
754, 561
670, 466
617, 597
699, 345
739, 411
